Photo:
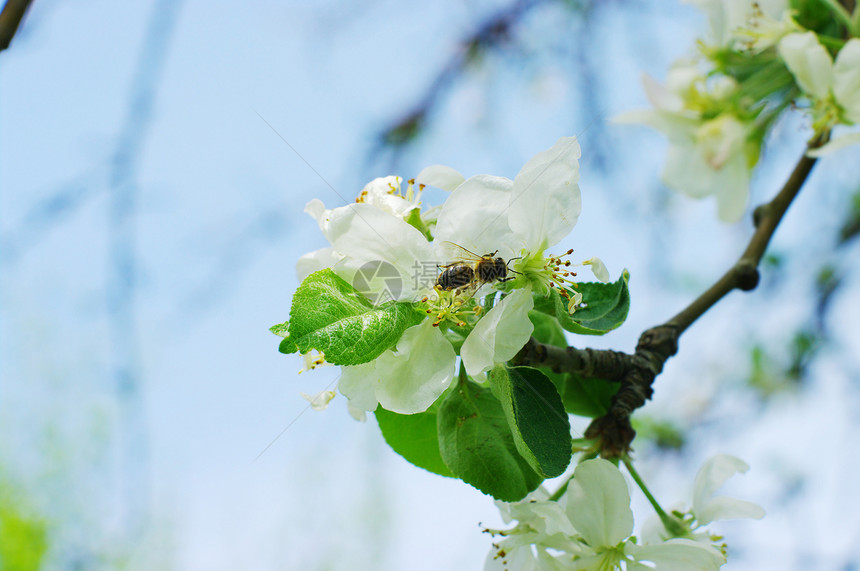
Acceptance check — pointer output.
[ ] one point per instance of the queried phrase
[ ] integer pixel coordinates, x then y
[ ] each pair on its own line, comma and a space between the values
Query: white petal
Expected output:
317, 210
836, 144
547, 562
500, 334
475, 217
653, 531
366, 234
598, 503
538, 512
675, 555
720, 21
382, 186
519, 558
723, 507
686, 171
414, 375
846, 79
545, 202
679, 128
440, 176
735, 180
316, 261
598, 268
358, 384
660, 96
355, 412
711, 476
320, 400
385, 194
809, 62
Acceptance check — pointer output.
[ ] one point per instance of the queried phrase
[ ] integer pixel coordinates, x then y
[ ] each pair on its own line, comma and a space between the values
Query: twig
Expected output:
637, 372
10, 19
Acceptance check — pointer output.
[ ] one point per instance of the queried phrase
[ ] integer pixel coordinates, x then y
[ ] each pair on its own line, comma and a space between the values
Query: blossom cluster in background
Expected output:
760, 59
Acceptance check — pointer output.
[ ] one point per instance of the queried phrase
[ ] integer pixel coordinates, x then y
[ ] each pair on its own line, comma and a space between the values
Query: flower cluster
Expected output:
393, 249
589, 527
760, 58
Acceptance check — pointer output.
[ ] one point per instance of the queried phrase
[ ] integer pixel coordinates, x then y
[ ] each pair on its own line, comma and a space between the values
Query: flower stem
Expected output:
670, 523
839, 12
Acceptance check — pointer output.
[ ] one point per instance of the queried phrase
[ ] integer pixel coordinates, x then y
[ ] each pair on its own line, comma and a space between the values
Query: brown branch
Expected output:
659, 343
637, 372
592, 363
10, 19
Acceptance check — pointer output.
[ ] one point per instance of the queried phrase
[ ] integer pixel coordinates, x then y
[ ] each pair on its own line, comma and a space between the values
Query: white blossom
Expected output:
832, 87
595, 533
516, 220
709, 155
706, 506
752, 25
406, 379
500, 334
320, 400
513, 219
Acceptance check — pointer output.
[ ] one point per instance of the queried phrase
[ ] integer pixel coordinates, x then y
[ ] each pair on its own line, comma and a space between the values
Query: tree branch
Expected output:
637, 372
10, 19
592, 363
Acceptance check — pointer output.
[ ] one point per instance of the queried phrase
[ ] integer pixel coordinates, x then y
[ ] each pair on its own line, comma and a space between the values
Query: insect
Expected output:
473, 270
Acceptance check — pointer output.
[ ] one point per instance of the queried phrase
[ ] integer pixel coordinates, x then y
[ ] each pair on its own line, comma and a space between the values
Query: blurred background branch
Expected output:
10, 20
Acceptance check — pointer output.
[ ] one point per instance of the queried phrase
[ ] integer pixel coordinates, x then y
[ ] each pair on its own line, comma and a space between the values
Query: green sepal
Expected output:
606, 306
329, 315
536, 417
415, 437
477, 445
414, 219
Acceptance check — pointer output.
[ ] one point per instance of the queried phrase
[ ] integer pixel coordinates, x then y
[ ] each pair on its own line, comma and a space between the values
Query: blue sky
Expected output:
163, 475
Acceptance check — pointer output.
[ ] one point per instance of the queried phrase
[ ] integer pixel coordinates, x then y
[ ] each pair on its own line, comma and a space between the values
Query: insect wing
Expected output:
455, 252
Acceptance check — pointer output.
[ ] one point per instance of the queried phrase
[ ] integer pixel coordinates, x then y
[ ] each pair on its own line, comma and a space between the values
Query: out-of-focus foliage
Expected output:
23, 534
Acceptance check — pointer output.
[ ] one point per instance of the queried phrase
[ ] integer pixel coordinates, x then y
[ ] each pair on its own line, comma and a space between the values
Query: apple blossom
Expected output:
712, 149
752, 25
832, 87
406, 379
597, 532
707, 507
518, 219
515, 220
541, 524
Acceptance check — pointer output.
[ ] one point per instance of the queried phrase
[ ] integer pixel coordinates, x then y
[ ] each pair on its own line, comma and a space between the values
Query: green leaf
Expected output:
549, 332
415, 437
24, 538
536, 417
281, 329
588, 397
329, 315
547, 329
477, 445
606, 307
287, 345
